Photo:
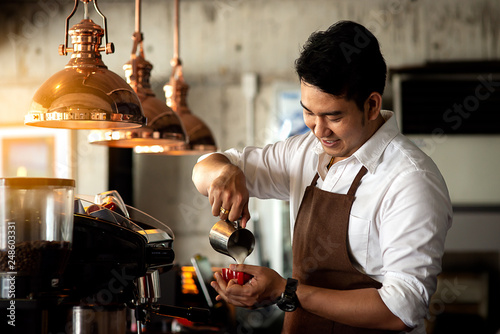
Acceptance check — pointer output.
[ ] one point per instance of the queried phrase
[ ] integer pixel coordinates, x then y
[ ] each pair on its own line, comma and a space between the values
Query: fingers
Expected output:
266, 284
245, 216
264, 288
215, 201
229, 291
224, 213
219, 285
246, 268
238, 208
228, 195
256, 271
231, 209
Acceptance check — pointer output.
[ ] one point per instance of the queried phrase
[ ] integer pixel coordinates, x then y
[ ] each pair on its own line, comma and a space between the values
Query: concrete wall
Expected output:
220, 41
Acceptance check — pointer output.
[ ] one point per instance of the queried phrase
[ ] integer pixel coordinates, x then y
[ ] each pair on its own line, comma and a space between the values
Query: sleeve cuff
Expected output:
406, 298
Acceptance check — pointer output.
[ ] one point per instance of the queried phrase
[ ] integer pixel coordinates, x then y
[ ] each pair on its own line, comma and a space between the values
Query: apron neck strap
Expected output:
354, 185
315, 179
357, 181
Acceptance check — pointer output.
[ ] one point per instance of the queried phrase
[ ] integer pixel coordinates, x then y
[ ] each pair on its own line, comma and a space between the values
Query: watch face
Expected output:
287, 303
289, 307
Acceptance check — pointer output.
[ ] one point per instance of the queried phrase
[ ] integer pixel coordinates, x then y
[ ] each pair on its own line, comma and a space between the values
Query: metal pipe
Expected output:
138, 16
176, 32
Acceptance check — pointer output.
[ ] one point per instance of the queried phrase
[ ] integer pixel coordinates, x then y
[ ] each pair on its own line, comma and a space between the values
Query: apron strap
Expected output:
357, 181
315, 180
354, 185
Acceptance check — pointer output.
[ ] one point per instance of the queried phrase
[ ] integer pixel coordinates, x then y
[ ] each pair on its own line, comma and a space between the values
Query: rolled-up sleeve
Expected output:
414, 223
405, 298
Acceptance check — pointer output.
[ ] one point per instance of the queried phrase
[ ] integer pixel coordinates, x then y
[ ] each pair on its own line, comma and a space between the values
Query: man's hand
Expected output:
263, 289
225, 186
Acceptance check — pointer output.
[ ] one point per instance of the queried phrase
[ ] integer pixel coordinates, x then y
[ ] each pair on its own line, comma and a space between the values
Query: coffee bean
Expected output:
34, 257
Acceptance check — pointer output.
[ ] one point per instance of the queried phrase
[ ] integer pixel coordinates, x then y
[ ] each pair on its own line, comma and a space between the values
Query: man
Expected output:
369, 210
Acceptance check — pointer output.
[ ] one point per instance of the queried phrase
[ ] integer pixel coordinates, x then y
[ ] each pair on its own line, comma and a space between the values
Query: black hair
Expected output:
345, 61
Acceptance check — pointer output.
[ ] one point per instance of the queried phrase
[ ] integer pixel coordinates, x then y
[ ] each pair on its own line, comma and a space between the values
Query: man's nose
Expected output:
320, 128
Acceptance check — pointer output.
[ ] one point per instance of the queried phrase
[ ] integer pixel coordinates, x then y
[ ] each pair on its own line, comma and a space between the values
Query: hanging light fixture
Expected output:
85, 95
200, 138
164, 127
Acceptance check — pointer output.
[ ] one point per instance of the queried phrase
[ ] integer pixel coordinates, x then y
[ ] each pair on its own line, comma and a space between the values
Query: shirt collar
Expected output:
369, 153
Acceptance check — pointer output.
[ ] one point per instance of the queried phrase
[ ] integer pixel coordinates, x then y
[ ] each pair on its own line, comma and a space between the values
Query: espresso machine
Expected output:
71, 265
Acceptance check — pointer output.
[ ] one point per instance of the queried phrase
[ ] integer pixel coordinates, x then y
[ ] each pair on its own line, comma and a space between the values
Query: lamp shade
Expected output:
200, 139
163, 128
85, 95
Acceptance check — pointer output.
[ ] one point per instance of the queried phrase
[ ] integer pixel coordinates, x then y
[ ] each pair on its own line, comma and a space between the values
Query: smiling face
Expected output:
338, 123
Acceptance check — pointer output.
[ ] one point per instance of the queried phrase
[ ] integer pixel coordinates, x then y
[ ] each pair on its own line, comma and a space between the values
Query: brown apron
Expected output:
321, 258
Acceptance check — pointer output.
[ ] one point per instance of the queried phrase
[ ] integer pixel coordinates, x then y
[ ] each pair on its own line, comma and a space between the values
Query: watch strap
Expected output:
288, 301
291, 285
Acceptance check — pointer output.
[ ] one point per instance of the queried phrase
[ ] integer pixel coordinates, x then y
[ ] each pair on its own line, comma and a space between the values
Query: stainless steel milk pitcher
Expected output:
230, 239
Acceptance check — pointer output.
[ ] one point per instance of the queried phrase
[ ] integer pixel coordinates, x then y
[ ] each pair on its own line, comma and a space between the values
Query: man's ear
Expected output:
373, 105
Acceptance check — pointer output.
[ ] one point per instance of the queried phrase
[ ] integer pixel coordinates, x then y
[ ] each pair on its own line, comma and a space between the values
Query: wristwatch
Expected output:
288, 301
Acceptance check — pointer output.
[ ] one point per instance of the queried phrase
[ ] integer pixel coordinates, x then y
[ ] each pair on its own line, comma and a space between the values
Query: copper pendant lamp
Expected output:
199, 137
164, 127
85, 95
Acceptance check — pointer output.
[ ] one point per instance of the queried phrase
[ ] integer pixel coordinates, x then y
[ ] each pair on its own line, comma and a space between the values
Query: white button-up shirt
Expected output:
399, 218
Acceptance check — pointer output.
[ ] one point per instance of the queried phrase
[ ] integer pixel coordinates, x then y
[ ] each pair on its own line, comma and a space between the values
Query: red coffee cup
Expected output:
241, 277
